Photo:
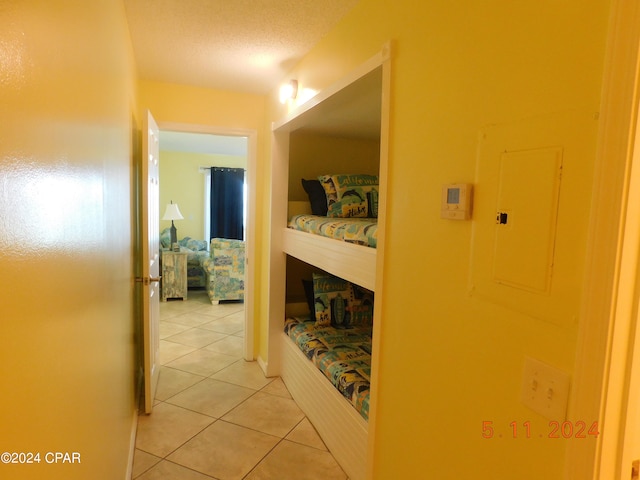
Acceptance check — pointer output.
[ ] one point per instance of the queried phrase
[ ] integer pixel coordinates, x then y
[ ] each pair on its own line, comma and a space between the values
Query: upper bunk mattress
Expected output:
361, 231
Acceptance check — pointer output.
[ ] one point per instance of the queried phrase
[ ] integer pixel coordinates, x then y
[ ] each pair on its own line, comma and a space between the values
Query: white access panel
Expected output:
526, 218
529, 220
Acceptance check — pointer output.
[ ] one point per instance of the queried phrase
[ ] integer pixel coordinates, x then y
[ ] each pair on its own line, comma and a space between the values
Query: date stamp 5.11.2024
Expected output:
554, 430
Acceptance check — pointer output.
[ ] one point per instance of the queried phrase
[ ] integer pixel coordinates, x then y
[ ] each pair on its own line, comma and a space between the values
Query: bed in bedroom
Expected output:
342, 355
326, 191
326, 365
322, 236
326, 352
344, 431
328, 348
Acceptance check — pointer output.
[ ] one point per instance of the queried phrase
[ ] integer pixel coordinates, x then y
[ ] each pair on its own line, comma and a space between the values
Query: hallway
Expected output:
217, 416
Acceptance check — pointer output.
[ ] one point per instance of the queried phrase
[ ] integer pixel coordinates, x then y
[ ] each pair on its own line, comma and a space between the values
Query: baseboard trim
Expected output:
132, 444
263, 365
134, 426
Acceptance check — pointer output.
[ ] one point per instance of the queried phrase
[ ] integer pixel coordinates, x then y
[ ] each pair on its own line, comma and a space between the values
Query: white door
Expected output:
150, 230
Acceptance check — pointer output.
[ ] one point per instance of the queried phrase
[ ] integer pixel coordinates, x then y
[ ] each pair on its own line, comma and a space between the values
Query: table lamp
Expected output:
173, 213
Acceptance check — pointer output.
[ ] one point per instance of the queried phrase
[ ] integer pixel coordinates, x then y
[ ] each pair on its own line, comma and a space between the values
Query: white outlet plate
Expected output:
545, 389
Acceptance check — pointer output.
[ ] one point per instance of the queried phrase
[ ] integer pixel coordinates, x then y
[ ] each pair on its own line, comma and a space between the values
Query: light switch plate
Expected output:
545, 389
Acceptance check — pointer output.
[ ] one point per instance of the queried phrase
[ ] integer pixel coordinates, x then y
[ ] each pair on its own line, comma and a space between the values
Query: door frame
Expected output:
250, 227
607, 350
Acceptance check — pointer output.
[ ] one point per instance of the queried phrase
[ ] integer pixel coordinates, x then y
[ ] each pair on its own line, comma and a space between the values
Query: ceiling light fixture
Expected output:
289, 91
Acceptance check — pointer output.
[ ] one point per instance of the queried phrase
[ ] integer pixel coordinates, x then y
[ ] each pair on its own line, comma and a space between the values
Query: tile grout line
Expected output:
165, 457
215, 420
197, 349
282, 439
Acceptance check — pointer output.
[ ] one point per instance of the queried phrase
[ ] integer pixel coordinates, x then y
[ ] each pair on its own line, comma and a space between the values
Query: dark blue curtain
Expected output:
227, 202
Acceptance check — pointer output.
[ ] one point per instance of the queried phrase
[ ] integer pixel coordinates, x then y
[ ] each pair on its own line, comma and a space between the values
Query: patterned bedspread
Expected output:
362, 231
343, 355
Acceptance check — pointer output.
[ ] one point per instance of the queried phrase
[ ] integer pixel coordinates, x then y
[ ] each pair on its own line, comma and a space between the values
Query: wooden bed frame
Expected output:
352, 262
355, 263
346, 434
340, 426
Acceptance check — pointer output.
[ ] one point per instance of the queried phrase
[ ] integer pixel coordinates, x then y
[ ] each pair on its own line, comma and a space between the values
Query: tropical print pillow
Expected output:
340, 304
332, 297
351, 195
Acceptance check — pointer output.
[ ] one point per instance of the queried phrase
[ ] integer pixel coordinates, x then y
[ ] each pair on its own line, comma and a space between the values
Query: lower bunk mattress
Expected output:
342, 355
361, 231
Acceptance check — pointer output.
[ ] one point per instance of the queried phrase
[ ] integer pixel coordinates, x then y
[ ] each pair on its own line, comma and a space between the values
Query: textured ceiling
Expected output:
241, 45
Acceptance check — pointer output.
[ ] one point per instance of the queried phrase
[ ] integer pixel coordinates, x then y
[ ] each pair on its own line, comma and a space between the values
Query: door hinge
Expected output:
147, 280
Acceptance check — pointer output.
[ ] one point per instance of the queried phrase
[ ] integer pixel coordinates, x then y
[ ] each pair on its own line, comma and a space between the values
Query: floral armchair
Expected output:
224, 270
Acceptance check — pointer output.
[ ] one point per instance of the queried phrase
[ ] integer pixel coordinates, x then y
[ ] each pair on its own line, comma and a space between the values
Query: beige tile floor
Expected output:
215, 415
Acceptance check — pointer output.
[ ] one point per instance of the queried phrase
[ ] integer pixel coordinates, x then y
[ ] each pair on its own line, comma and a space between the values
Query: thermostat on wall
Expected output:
456, 201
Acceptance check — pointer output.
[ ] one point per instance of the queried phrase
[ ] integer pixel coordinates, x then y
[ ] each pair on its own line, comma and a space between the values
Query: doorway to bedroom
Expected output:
188, 163
189, 157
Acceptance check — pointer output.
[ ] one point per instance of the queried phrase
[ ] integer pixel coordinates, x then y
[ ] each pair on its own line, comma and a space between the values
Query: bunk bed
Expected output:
306, 239
308, 354
338, 418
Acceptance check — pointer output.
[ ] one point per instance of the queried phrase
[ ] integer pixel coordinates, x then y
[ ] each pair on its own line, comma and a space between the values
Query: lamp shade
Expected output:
172, 212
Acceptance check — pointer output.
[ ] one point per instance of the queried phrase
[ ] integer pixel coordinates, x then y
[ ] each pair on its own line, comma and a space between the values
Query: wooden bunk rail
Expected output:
355, 263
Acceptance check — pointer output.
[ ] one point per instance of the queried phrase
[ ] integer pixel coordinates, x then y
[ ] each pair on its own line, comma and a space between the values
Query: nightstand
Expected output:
174, 275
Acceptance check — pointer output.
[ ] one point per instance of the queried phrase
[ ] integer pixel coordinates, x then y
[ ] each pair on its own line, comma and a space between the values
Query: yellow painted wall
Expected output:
67, 357
449, 361
182, 182
313, 155
196, 106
